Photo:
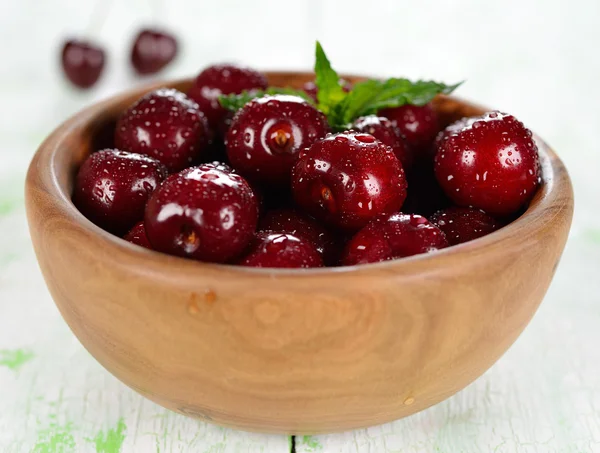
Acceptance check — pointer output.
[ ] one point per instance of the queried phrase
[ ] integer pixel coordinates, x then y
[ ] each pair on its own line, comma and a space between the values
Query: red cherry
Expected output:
267, 134
112, 187
464, 224
223, 79
281, 250
82, 62
490, 163
298, 224
347, 179
392, 236
164, 124
152, 50
419, 125
387, 133
205, 212
137, 236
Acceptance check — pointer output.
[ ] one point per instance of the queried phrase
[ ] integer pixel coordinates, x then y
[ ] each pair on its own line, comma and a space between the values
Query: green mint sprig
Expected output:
340, 107
370, 96
367, 97
330, 92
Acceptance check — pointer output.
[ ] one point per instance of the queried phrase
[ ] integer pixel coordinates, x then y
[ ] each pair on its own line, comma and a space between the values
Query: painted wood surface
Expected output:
542, 396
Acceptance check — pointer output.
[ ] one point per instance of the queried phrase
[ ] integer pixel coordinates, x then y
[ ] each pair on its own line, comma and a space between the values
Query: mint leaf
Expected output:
370, 96
397, 92
342, 108
355, 102
329, 89
234, 102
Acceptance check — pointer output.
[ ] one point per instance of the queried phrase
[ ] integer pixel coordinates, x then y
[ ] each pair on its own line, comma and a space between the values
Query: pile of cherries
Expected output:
272, 186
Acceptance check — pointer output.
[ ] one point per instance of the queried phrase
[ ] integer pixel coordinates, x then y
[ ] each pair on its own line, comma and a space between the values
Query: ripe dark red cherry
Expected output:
387, 133
419, 125
298, 224
267, 134
347, 179
112, 188
152, 50
207, 213
164, 124
490, 163
310, 88
223, 79
281, 250
82, 62
393, 236
137, 236
464, 224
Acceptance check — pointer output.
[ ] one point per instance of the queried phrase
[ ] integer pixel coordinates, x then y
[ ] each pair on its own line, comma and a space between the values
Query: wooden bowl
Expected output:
289, 351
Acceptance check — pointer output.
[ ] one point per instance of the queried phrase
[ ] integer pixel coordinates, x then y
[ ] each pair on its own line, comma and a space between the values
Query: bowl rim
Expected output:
44, 167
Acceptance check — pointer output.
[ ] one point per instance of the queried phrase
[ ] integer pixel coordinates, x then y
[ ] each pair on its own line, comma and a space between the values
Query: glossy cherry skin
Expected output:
489, 163
206, 213
137, 236
82, 62
283, 250
387, 133
310, 88
267, 135
464, 224
348, 179
299, 224
152, 50
392, 236
223, 79
112, 188
419, 125
164, 124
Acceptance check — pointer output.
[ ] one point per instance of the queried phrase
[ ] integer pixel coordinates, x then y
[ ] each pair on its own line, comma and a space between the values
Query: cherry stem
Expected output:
98, 17
327, 197
281, 138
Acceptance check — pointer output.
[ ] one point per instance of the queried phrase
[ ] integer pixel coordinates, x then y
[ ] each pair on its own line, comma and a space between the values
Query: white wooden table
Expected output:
535, 59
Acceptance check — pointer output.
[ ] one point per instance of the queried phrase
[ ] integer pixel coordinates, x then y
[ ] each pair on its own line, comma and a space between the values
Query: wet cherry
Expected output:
393, 236
137, 236
164, 124
419, 125
207, 213
464, 224
348, 179
298, 224
223, 79
490, 163
112, 188
267, 135
387, 133
284, 250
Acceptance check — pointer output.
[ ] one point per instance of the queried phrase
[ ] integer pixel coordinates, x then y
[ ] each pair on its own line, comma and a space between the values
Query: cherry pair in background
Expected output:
83, 61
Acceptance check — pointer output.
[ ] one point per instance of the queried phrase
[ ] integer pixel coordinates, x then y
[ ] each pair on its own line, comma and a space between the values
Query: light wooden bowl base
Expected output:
290, 351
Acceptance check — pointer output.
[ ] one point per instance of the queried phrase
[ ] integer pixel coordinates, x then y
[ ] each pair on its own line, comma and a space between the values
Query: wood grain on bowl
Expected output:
290, 351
